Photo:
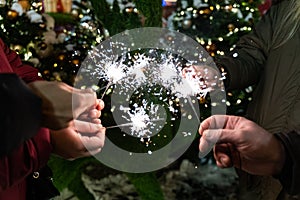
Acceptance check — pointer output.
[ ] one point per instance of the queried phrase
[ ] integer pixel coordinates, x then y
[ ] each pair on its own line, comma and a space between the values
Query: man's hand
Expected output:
207, 77
80, 139
243, 144
61, 103
93, 114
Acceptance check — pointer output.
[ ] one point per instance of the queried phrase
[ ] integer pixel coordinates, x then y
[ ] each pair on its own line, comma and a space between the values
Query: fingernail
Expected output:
207, 134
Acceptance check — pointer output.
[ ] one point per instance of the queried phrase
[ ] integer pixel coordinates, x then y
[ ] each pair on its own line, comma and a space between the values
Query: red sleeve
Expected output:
34, 153
11, 62
29, 157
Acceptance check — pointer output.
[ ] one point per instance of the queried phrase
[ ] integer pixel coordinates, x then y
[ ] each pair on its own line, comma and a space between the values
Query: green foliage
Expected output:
146, 185
114, 19
78, 187
63, 19
152, 10
219, 24
117, 21
67, 174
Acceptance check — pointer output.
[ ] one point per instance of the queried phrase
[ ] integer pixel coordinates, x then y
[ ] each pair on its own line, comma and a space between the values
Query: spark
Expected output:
131, 70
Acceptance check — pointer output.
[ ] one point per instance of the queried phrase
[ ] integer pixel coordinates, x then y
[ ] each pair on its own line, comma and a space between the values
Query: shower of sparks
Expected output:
151, 69
140, 120
168, 69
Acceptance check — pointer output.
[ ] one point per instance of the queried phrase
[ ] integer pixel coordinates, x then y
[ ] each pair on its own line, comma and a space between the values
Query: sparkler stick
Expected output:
106, 88
131, 124
191, 103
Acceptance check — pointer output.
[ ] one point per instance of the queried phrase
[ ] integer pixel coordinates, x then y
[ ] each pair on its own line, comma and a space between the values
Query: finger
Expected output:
100, 104
94, 142
223, 155
94, 113
86, 118
87, 127
213, 122
95, 151
222, 136
96, 121
224, 161
211, 137
204, 147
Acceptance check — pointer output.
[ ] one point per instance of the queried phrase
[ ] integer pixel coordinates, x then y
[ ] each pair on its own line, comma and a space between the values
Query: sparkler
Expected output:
166, 70
114, 72
140, 122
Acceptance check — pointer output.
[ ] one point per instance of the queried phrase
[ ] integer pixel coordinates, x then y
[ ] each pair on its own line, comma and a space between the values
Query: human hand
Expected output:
243, 144
207, 77
61, 103
80, 139
92, 115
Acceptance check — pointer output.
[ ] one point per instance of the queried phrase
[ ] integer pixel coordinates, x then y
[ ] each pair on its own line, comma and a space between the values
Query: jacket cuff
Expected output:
289, 176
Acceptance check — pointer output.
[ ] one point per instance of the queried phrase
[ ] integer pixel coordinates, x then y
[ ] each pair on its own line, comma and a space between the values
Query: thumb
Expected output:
207, 141
221, 136
210, 137
87, 127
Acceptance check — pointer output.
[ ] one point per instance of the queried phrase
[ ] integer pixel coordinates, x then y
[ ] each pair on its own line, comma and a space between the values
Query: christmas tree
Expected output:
55, 42
217, 25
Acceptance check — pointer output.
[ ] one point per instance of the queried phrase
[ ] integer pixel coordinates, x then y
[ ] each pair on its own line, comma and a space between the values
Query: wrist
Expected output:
279, 157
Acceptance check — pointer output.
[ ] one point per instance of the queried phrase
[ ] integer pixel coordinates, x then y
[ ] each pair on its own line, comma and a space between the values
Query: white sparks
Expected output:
140, 121
114, 72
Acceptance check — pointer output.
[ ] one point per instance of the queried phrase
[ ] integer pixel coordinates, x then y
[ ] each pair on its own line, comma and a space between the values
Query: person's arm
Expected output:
20, 109
60, 102
23, 160
243, 144
80, 139
290, 175
245, 63
20, 114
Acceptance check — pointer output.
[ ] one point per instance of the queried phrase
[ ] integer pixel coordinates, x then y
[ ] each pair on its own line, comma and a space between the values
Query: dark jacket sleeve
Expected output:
20, 114
246, 62
290, 175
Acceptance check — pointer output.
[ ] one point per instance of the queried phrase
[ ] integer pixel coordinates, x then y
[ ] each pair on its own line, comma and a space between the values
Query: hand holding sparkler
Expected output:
83, 137
241, 143
205, 78
93, 114
62, 103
